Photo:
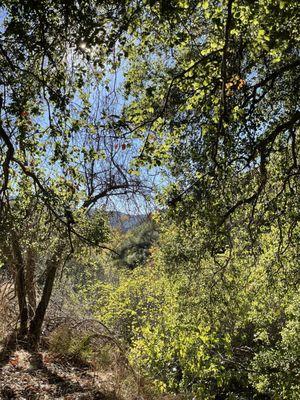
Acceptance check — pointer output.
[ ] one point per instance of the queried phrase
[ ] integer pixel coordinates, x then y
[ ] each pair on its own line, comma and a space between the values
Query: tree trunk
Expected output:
30, 282
36, 323
21, 294
20, 286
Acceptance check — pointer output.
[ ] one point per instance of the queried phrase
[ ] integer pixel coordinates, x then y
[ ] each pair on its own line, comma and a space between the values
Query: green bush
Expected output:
209, 327
138, 298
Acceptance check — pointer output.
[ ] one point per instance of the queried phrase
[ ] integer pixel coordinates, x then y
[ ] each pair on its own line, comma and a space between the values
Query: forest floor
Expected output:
45, 376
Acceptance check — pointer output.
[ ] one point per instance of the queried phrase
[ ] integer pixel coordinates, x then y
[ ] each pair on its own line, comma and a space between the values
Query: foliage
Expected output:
213, 96
125, 306
214, 326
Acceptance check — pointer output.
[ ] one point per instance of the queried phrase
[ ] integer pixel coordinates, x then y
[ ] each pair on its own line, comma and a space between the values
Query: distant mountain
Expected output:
125, 222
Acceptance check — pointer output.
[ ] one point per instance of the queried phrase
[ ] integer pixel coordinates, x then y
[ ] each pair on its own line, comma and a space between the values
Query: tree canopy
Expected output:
213, 90
55, 62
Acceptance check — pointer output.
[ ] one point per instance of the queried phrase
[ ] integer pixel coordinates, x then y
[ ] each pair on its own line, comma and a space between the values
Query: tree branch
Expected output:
8, 158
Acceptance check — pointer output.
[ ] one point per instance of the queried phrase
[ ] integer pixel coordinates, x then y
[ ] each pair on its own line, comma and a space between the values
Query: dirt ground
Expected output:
43, 376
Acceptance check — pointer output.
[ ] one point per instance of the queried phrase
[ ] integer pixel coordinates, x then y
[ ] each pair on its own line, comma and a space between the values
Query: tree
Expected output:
47, 93
59, 154
213, 91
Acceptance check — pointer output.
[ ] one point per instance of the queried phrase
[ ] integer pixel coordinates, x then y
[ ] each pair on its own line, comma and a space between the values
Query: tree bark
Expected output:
36, 323
20, 286
30, 281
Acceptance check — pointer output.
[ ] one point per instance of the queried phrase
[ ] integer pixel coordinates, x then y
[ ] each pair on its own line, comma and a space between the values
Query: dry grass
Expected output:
104, 357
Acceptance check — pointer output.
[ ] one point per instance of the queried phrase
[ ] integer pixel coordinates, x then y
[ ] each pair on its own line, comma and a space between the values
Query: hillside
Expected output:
124, 221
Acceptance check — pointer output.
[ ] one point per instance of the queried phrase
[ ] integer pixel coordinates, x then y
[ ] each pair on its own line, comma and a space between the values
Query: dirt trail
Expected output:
45, 376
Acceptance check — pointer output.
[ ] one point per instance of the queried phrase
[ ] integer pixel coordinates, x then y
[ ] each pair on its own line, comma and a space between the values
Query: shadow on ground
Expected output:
25, 375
